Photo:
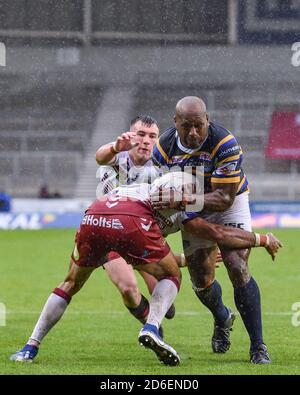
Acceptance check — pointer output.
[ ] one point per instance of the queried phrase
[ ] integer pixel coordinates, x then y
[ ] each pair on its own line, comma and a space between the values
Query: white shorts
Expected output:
238, 215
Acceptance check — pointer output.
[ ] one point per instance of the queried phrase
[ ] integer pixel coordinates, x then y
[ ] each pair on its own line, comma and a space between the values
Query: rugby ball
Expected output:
179, 182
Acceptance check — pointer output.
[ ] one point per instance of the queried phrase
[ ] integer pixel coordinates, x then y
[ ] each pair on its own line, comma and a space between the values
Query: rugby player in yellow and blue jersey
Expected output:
195, 141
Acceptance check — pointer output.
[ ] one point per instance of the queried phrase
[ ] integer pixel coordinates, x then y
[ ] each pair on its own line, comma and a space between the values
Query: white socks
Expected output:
162, 297
52, 312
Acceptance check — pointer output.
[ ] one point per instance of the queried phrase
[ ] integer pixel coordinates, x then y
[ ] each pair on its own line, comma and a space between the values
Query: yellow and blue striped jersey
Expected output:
220, 155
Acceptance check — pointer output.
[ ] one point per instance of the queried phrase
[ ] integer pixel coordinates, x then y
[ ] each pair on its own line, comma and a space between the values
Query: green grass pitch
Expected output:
98, 336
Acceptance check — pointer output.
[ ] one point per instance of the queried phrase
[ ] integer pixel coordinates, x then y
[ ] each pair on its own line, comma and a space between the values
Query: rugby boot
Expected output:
149, 338
221, 337
259, 355
26, 354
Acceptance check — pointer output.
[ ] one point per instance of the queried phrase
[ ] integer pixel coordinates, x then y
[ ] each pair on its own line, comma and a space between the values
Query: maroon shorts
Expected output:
137, 240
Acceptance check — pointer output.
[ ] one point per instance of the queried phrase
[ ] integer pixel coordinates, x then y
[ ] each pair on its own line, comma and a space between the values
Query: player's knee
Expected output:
204, 282
203, 278
238, 272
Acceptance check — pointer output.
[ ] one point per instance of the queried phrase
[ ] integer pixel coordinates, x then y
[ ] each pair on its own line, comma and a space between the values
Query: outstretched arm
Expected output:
106, 155
233, 238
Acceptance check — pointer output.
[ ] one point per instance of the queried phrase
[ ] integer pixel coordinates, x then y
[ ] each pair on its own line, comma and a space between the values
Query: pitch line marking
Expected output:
179, 313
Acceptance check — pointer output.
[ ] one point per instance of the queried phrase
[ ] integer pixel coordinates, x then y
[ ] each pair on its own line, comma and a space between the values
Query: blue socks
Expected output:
247, 301
211, 297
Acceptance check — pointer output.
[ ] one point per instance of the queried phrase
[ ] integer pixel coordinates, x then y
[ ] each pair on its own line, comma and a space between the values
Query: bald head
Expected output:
191, 121
190, 105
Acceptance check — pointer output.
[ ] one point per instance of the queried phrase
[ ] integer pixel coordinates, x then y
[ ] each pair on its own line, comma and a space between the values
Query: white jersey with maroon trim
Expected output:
124, 172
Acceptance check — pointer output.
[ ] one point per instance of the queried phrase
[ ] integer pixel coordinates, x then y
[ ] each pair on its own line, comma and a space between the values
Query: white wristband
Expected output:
257, 239
261, 240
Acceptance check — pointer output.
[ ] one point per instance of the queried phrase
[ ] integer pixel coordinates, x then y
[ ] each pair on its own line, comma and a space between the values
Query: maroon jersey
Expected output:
114, 204
125, 226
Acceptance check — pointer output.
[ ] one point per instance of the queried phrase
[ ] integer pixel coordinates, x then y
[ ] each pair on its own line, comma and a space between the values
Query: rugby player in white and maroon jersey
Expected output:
127, 161
124, 221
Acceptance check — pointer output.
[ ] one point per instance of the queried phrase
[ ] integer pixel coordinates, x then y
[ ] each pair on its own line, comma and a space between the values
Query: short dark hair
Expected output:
146, 119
